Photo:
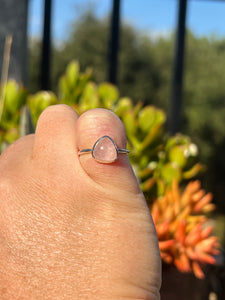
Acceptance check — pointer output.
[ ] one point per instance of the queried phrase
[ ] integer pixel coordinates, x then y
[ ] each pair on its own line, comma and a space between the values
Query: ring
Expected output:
104, 150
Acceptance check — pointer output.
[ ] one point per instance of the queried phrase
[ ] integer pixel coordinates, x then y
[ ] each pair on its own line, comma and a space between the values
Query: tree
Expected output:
204, 111
139, 73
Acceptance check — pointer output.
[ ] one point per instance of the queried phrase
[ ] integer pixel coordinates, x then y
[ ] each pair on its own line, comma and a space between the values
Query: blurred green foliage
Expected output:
156, 158
15, 98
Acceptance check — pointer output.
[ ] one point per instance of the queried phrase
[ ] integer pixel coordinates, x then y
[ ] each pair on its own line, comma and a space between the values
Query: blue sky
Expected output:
204, 17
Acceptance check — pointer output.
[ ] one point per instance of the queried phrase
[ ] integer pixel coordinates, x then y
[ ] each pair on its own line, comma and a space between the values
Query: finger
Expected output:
93, 125
55, 134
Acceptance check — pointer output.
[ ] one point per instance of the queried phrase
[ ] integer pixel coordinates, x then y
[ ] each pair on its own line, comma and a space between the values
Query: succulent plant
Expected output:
14, 99
156, 158
182, 227
161, 162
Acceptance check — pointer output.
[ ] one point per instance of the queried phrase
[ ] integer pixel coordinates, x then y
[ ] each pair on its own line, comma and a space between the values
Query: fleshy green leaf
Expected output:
170, 171
109, 94
177, 155
40, 101
89, 98
72, 73
150, 117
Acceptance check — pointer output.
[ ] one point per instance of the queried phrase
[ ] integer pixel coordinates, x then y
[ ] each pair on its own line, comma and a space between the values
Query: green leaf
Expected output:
72, 73
123, 105
11, 135
150, 117
161, 187
15, 97
151, 136
89, 98
177, 155
170, 171
38, 102
148, 184
194, 171
130, 123
109, 94
178, 139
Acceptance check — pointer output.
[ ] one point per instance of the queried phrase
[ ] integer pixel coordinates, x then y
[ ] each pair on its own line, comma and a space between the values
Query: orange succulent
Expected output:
184, 237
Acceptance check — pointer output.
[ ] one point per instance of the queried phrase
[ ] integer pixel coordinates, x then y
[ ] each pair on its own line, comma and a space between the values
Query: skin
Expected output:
71, 227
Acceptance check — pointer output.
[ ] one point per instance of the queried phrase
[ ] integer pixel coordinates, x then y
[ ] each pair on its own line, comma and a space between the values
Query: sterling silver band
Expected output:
85, 151
91, 150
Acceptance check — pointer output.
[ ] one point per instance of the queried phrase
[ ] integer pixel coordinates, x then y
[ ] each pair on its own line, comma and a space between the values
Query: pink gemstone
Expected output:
105, 151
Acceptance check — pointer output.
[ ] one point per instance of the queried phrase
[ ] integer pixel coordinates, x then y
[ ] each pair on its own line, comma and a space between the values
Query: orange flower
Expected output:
184, 238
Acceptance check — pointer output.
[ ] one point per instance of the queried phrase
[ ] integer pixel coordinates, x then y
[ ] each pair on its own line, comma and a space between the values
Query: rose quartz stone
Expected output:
105, 151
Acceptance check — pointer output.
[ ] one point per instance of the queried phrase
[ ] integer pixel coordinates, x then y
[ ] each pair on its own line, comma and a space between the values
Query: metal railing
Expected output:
113, 48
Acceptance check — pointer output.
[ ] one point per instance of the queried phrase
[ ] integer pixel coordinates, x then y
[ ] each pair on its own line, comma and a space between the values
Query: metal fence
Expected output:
113, 48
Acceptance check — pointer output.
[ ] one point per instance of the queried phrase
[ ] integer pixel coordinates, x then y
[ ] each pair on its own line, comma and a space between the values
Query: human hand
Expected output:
71, 227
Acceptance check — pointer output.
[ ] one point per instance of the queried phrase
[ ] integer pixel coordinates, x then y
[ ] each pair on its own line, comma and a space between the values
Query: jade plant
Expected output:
157, 158
15, 97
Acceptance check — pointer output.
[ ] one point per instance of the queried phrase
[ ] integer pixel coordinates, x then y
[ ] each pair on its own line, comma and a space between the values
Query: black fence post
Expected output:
46, 47
114, 42
177, 83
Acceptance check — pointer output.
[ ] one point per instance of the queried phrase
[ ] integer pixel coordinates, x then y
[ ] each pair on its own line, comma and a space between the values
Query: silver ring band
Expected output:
100, 154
